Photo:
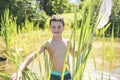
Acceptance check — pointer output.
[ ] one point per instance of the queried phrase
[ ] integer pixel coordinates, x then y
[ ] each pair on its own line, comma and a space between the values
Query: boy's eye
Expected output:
59, 27
53, 27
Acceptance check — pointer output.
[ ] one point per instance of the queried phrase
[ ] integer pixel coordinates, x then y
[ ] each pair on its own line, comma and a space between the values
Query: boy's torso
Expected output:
57, 52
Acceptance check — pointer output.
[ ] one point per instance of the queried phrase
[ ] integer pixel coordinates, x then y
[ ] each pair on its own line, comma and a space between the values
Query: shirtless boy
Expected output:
56, 48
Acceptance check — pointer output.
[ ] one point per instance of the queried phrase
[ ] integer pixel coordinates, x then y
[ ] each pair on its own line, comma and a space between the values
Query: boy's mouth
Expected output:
56, 32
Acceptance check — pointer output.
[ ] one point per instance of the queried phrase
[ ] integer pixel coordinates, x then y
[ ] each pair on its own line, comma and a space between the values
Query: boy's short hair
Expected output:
57, 18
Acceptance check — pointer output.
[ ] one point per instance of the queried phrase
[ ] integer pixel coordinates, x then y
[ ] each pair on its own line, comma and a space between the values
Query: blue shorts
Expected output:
57, 75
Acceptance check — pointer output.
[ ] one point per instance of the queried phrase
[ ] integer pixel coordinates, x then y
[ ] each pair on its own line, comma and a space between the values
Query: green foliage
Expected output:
22, 9
46, 5
26, 9
79, 63
41, 21
4, 4
25, 28
15, 57
55, 6
59, 6
8, 28
115, 19
95, 10
5, 76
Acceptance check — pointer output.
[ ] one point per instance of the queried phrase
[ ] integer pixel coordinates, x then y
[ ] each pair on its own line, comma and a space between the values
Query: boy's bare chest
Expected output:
58, 48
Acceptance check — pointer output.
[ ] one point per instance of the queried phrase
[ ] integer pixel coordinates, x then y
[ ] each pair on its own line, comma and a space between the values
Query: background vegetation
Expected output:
24, 26
36, 11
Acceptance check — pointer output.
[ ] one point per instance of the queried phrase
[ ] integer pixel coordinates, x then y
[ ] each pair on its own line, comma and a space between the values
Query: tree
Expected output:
46, 5
55, 6
115, 18
22, 9
26, 9
4, 4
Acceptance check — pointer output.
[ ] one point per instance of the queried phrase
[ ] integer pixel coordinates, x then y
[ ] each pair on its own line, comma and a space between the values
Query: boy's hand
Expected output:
17, 76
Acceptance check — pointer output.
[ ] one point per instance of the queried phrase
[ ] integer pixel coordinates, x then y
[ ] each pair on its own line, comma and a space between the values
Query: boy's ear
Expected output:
50, 27
63, 27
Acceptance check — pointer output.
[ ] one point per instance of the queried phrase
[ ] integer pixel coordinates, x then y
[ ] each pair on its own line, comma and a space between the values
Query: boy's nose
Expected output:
56, 29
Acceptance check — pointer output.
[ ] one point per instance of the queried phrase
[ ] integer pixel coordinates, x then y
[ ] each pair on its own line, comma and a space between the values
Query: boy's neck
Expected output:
55, 38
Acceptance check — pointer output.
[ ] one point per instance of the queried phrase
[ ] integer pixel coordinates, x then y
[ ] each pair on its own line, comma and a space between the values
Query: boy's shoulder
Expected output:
64, 39
49, 42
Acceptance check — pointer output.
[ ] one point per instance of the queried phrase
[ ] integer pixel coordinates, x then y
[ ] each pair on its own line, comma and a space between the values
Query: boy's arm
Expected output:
30, 58
27, 61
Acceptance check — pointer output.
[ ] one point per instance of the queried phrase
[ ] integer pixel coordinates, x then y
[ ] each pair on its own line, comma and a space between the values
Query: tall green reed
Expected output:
16, 58
84, 41
8, 28
14, 36
79, 62
111, 50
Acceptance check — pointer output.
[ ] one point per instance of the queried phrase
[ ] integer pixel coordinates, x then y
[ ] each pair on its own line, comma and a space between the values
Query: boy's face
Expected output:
56, 28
